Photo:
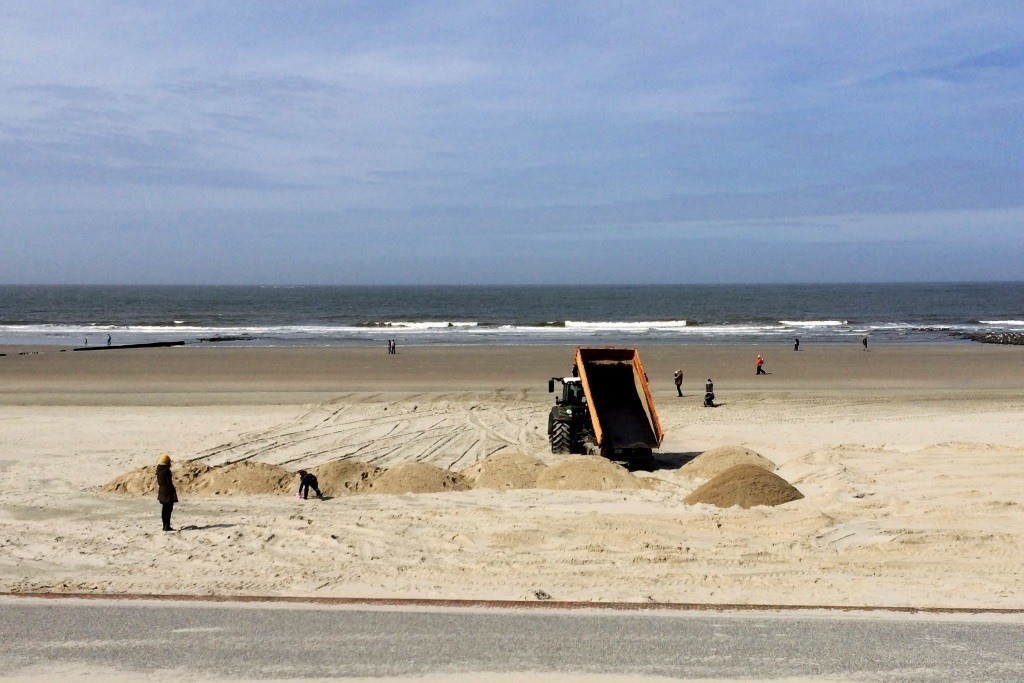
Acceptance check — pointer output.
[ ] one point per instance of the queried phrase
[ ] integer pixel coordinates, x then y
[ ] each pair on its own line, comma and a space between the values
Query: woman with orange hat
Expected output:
165, 492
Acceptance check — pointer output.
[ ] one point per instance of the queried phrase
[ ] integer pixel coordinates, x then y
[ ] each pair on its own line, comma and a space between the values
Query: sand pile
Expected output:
746, 486
505, 471
588, 473
714, 462
142, 482
418, 477
339, 477
244, 477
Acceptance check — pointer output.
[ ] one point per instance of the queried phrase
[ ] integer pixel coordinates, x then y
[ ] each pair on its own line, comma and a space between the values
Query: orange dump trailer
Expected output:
622, 412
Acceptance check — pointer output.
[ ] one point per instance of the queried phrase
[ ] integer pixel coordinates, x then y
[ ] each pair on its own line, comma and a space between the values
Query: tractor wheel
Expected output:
561, 440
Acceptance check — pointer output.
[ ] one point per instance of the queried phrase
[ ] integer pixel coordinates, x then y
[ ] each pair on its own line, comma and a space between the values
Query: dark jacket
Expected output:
165, 492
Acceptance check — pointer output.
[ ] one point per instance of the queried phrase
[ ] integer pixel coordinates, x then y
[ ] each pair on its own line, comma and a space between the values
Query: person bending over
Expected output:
308, 481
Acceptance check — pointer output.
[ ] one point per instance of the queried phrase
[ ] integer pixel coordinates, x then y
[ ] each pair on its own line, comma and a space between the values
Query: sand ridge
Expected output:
715, 461
418, 477
589, 473
142, 481
746, 486
505, 471
339, 477
244, 478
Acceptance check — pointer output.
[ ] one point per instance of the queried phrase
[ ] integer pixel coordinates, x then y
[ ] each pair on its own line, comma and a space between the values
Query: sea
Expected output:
917, 313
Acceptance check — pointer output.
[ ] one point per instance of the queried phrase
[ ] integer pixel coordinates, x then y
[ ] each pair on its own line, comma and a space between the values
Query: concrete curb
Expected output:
509, 604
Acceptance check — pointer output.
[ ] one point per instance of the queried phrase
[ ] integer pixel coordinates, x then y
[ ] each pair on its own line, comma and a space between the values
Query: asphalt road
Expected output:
296, 641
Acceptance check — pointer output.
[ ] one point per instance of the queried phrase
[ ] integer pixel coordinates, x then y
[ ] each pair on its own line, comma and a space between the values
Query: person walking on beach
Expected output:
308, 481
760, 365
165, 491
796, 344
864, 341
108, 340
678, 379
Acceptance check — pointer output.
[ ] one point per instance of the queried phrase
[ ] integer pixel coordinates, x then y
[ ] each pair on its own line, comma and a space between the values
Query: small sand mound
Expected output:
339, 477
588, 473
418, 477
142, 482
746, 486
711, 463
505, 471
245, 478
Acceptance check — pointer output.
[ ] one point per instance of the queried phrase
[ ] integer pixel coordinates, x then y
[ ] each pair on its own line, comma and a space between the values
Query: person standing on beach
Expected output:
678, 379
108, 340
760, 365
864, 341
796, 344
709, 394
165, 491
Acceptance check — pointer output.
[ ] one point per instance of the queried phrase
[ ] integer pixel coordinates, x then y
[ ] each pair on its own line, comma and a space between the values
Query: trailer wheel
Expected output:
561, 441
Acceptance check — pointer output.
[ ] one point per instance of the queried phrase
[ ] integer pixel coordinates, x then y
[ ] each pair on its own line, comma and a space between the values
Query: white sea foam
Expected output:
426, 325
813, 323
626, 326
1002, 322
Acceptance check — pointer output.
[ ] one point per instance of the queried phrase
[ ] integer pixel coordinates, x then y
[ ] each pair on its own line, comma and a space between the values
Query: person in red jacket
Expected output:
760, 365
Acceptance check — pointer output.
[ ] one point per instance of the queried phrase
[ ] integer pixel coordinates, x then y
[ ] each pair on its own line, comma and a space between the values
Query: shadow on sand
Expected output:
661, 461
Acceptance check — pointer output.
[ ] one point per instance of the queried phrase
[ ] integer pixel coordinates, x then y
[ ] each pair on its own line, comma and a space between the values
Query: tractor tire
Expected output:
561, 439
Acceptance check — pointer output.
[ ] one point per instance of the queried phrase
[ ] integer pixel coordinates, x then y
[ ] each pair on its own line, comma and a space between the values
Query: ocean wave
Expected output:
813, 323
1002, 322
626, 325
422, 325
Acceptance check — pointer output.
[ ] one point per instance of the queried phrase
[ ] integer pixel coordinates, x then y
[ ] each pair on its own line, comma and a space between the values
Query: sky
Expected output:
510, 142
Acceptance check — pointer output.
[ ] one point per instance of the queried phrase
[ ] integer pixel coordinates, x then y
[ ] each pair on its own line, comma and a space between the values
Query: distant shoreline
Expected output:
218, 374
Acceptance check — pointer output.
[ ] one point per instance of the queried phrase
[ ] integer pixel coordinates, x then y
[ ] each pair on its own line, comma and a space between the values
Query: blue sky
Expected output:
510, 142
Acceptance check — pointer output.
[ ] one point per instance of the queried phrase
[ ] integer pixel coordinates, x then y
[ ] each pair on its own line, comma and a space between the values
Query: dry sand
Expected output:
339, 477
714, 461
746, 486
910, 460
588, 473
505, 471
418, 477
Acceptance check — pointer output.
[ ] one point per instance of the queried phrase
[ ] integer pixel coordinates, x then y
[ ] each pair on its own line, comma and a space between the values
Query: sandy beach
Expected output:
909, 459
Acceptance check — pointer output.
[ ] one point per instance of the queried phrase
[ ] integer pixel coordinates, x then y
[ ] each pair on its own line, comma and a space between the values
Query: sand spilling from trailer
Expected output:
746, 486
505, 471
